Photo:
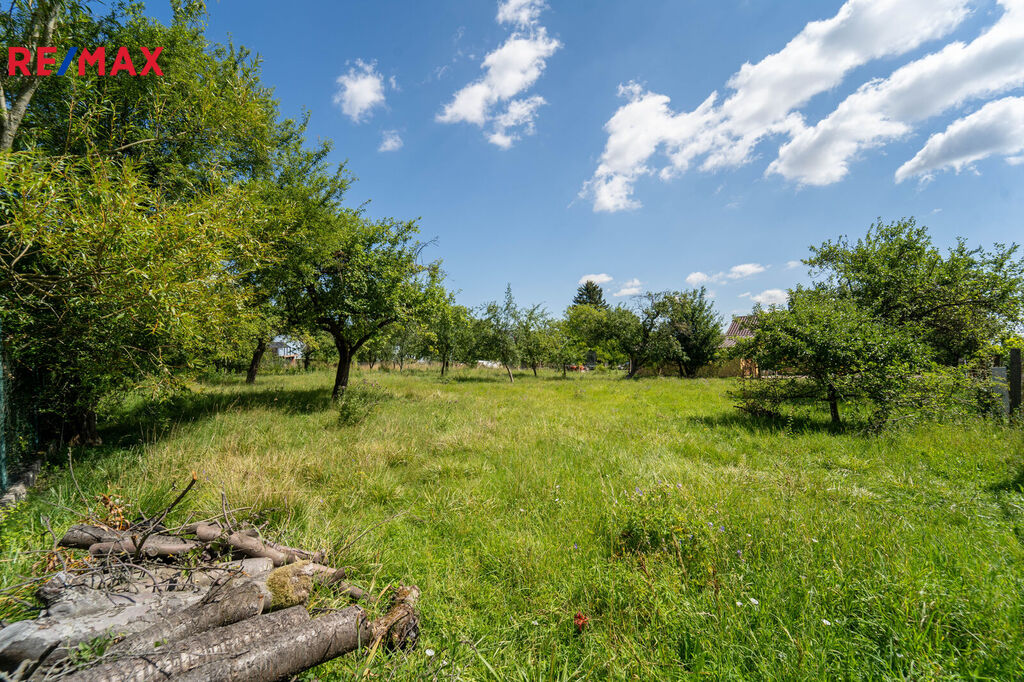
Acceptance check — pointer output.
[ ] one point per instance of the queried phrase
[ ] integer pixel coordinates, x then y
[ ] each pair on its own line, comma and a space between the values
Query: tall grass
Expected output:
699, 543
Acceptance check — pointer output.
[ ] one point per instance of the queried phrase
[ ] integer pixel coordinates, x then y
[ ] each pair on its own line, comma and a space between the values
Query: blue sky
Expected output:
659, 143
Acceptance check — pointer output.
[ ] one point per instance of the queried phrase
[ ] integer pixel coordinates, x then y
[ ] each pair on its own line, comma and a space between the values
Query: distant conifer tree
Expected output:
589, 293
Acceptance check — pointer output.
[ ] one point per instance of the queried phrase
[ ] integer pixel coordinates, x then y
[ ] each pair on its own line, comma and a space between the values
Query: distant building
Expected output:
287, 350
742, 327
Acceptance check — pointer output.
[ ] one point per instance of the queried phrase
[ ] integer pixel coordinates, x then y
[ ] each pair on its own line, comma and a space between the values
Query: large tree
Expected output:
833, 348
640, 335
354, 278
888, 323
957, 301
692, 321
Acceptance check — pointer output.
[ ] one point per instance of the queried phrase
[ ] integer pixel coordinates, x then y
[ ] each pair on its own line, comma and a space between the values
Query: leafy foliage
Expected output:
104, 284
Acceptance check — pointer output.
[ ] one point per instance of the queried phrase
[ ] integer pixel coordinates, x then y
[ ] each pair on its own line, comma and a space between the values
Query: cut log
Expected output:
82, 536
281, 654
230, 604
124, 614
209, 647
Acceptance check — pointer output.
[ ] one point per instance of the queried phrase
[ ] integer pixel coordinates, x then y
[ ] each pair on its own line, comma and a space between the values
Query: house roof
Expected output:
742, 327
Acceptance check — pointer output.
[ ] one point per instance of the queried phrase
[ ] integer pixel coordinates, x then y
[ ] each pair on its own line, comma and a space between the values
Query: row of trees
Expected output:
676, 328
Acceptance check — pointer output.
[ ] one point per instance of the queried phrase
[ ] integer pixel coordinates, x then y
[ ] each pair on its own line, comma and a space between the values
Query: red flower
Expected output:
580, 621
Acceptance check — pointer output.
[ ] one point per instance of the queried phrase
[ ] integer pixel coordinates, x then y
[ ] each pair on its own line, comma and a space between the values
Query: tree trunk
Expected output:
306, 359
509, 370
444, 366
534, 367
178, 657
833, 405
344, 364
282, 653
633, 368
44, 23
563, 370
254, 363
682, 371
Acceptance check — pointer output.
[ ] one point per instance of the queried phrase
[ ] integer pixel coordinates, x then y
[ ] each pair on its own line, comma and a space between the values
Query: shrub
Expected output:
359, 400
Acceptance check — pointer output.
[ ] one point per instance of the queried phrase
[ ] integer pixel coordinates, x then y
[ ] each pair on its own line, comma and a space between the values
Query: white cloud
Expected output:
630, 288
360, 90
602, 278
886, 109
508, 71
745, 270
765, 95
741, 271
771, 297
995, 129
697, 278
793, 264
522, 13
391, 141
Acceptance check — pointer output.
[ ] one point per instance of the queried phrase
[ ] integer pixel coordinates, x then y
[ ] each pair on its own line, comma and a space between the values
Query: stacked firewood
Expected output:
211, 600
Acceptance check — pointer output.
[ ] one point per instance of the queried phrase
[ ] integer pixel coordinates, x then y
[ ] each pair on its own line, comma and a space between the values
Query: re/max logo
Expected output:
20, 61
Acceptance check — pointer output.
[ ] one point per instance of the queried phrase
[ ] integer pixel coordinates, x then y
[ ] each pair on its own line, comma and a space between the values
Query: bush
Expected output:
359, 400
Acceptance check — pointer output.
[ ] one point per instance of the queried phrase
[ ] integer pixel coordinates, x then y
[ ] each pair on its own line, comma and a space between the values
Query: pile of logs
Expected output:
206, 601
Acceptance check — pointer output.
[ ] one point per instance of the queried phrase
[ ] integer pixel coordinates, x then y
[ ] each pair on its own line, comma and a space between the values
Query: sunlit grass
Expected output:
696, 541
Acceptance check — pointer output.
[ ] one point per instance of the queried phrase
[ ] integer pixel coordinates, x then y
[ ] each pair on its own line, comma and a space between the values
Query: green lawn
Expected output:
697, 542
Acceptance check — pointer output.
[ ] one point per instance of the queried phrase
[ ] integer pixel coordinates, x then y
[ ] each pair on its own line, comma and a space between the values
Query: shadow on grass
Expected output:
781, 424
153, 420
1011, 485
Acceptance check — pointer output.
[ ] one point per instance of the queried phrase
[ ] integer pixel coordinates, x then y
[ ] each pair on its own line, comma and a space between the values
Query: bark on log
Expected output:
208, 647
231, 603
283, 654
83, 536
124, 614
152, 547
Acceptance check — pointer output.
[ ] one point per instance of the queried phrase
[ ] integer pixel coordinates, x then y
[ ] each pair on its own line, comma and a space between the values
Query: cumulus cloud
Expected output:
745, 270
886, 109
522, 13
997, 129
630, 288
509, 71
360, 90
695, 279
793, 264
391, 141
741, 271
602, 278
771, 297
765, 96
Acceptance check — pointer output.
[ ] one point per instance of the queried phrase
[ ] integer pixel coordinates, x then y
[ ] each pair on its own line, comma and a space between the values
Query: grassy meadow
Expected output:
698, 543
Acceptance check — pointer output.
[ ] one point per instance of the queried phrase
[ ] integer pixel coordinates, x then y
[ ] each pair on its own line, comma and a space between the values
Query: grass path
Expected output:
698, 544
